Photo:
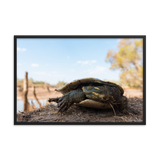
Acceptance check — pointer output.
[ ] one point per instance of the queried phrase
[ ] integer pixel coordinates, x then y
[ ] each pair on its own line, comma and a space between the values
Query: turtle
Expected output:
92, 93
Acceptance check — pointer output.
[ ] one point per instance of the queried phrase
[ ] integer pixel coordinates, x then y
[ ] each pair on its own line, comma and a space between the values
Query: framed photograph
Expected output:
86, 80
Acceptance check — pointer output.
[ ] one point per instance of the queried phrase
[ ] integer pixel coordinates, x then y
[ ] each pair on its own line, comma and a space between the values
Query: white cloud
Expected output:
86, 62
82, 62
97, 70
72, 70
34, 65
93, 61
47, 64
68, 57
21, 49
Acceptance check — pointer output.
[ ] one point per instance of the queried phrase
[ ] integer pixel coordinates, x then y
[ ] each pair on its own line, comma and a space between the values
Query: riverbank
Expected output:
49, 113
41, 93
81, 114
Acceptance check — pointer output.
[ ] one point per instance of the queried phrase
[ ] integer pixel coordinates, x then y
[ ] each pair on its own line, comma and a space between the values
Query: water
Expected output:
20, 103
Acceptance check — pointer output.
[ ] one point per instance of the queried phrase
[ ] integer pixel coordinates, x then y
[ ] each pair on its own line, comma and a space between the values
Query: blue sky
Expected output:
53, 60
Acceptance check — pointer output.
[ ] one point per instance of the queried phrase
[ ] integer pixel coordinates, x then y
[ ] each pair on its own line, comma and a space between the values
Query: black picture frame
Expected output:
79, 36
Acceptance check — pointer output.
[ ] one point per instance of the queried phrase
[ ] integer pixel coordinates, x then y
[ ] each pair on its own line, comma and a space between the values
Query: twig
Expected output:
34, 93
113, 109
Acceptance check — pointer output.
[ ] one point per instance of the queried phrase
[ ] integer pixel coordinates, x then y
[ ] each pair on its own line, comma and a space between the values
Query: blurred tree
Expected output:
129, 60
20, 83
30, 82
19, 80
61, 83
39, 82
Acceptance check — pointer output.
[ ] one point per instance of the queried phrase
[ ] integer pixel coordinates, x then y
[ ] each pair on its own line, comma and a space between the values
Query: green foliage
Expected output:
20, 83
129, 60
31, 82
38, 82
61, 83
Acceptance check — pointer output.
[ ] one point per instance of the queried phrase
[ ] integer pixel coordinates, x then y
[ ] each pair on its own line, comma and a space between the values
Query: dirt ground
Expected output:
81, 114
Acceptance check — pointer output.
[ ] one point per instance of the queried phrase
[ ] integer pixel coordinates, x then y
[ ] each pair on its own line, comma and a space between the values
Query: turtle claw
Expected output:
53, 100
64, 103
61, 107
64, 107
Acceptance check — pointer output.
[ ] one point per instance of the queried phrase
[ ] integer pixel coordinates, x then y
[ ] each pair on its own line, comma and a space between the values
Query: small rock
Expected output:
55, 105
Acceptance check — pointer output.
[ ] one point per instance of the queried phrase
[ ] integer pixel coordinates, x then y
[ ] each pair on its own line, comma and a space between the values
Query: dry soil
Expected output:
81, 114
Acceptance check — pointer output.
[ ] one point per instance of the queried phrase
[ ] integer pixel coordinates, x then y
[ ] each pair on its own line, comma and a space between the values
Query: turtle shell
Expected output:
86, 81
94, 104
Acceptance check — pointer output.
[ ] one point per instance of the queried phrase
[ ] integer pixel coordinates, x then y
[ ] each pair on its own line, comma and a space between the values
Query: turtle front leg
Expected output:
65, 102
68, 99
